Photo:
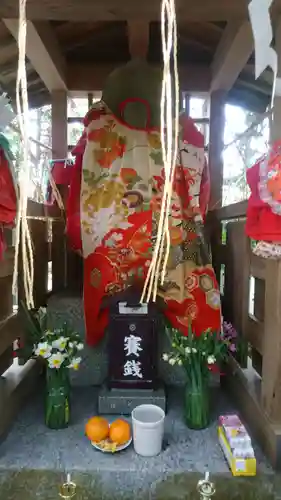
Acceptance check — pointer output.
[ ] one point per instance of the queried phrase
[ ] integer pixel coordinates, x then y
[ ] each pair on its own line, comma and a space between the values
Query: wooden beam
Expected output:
90, 77
233, 52
138, 37
111, 10
43, 52
233, 211
39, 210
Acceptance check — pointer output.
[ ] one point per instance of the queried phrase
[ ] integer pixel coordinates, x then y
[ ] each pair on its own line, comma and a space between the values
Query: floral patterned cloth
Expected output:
121, 191
270, 178
268, 250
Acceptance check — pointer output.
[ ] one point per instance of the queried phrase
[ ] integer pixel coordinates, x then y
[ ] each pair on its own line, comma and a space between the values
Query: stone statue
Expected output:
122, 180
136, 80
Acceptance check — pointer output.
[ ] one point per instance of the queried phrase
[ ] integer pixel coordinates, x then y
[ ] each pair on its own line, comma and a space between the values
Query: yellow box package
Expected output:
237, 446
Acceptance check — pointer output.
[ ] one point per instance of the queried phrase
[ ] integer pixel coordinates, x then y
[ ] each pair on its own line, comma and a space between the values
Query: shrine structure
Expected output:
72, 48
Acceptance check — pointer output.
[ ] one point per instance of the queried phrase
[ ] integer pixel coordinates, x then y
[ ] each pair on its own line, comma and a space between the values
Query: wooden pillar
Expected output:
59, 124
138, 38
271, 366
60, 151
217, 124
59, 131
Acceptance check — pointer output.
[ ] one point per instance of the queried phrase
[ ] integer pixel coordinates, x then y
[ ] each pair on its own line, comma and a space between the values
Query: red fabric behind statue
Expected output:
8, 198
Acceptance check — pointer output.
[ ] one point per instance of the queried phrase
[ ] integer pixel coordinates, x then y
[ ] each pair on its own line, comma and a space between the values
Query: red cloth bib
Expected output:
103, 266
261, 224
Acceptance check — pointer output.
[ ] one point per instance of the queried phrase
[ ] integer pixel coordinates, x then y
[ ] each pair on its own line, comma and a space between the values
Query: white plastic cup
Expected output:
148, 430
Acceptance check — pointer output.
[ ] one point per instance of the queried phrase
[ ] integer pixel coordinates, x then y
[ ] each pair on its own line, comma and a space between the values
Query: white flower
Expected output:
43, 349
172, 361
49, 332
180, 362
203, 353
194, 350
80, 346
71, 345
60, 343
187, 350
165, 357
211, 360
56, 360
42, 310
75, 363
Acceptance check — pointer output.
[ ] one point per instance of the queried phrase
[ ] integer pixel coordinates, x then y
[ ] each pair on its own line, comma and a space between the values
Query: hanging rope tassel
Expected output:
169, 142
22, 229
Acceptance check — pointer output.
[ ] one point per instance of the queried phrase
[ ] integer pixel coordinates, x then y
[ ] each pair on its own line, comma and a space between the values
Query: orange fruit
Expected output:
97, 429
119, 432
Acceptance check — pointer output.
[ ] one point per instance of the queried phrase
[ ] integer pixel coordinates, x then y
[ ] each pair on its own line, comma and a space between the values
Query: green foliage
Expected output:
34, 324
61, 342
196, 352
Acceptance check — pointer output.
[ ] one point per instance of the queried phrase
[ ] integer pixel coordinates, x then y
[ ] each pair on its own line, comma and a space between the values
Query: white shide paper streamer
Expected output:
265, 55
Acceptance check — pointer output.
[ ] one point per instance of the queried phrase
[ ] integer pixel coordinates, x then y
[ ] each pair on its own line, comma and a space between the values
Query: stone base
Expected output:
94, 368
123, 401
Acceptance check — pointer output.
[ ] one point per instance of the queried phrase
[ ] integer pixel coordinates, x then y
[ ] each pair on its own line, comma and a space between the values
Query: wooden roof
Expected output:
74, 44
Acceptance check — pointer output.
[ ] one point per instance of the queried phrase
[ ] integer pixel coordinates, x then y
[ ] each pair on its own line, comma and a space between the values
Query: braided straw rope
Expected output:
22, 229
169, 141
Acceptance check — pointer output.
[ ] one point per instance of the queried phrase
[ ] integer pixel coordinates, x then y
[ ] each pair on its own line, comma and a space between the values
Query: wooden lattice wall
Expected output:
251, 301
18, 380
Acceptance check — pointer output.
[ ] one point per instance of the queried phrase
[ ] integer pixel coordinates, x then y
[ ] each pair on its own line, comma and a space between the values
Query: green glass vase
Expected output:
197, 401
57, 409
